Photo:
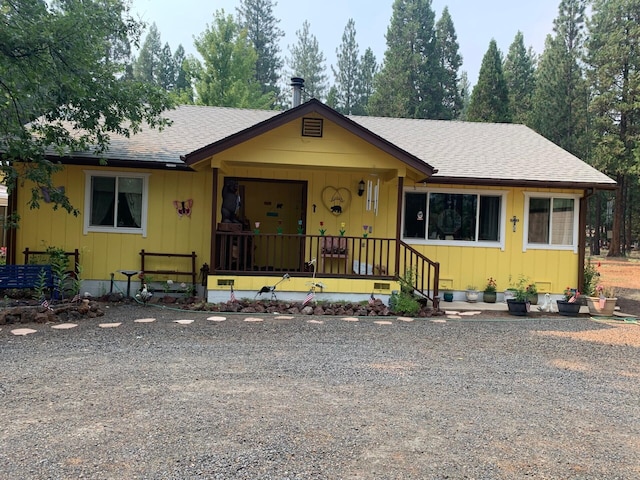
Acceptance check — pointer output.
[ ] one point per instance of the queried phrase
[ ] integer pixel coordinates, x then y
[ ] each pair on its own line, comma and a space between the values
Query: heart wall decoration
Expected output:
336, 199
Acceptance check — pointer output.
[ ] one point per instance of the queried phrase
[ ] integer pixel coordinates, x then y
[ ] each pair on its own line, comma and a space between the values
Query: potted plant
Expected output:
472, 293
605, 302
569, 306
448, 296
532, 293
489, 295
519, 305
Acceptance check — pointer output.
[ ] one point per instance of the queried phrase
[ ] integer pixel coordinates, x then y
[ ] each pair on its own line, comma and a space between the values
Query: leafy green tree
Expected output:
490, 97
450, 62
364, 86
519, 73
307, 61
63, 84
256, 17
347, 73
614, 74
227, 77
560, 96
408, 84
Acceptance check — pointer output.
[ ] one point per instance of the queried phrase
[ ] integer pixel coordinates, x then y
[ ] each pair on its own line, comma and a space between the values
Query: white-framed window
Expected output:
116, 202
455, 217
551, 221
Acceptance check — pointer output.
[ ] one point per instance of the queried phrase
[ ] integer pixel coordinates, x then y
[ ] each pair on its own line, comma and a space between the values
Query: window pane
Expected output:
129, 202
102, 201
539, 213
415, 215
562, 221
489, 219
452, 216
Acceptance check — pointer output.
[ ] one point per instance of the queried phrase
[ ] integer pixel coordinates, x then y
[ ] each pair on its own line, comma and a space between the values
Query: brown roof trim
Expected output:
114, 162
312, 106
494, 182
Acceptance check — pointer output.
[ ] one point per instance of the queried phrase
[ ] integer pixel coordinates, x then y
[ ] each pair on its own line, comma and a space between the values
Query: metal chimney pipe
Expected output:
298, 84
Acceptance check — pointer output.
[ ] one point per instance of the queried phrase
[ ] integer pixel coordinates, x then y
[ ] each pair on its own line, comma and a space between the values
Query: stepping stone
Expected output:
383, 322
217, 319
110, 325
451, 312
64, 326
183, 322
315, 321
284, 317
350, 319
439, 320
144, 320
467, 314
454, 316
405, 319
23, 331
253, 319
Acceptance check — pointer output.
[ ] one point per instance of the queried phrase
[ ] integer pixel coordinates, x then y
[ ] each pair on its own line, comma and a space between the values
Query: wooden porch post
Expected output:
214, 224
582, 237
399, 224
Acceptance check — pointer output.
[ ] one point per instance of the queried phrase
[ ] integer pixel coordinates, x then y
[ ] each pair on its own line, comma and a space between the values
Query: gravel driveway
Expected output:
326, 398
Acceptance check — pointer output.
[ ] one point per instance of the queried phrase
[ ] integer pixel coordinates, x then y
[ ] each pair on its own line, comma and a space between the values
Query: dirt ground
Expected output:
624, 275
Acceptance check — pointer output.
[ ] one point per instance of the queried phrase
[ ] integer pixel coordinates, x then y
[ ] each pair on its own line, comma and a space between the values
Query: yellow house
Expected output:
312, 196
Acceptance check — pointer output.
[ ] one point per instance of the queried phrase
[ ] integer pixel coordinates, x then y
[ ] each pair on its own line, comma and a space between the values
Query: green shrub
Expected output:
404, 303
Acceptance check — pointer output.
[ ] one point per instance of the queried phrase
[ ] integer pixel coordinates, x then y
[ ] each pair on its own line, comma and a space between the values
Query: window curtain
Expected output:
102, 201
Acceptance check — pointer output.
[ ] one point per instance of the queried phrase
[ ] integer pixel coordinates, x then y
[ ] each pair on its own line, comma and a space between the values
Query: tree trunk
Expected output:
614, 246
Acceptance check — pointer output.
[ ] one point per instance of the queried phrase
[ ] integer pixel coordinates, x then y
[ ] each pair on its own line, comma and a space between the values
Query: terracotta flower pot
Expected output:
601, 307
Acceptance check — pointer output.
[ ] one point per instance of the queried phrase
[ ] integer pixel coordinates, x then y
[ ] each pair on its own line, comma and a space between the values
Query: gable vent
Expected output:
312, 127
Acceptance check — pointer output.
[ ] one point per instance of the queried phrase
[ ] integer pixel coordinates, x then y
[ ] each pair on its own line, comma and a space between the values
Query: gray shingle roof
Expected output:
464, 150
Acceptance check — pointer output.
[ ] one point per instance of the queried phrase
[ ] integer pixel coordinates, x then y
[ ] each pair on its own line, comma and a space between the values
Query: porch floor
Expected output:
462, 306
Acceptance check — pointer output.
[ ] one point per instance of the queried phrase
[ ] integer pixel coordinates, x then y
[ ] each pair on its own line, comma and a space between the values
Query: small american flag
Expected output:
233, 295
308, 298
372, 299
45, 304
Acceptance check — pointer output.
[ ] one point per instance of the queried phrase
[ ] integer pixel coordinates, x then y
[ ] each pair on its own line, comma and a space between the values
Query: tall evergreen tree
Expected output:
166, 69
347, 73
560, 97
490, 97
614, 73
450, 62
364, 86
464, 86
227, 76
148, 64
256, 17
408, 84
519, 73
183, 90
307, 61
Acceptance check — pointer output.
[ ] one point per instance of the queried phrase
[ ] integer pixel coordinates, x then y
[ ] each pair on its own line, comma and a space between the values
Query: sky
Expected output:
476, 23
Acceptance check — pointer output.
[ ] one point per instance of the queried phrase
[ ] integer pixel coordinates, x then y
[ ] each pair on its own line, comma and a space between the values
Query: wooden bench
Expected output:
331, 248
146, 257
25, 276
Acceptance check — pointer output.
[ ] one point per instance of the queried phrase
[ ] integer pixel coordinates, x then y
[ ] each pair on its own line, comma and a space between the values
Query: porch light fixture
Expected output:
361, 188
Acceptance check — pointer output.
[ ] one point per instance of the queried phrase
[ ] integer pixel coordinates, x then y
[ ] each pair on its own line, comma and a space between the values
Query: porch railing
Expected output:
246, 253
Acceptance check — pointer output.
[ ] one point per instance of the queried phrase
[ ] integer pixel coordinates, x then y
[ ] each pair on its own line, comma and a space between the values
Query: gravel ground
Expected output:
320, 397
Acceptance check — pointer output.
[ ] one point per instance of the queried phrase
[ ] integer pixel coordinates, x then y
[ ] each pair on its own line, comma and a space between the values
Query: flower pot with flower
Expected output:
532, 294
569, 306
605, 302
519, 305
489, 295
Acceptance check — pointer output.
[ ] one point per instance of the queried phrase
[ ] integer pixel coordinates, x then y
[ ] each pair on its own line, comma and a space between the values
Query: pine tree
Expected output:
519, 73
464, 86
408, 85
256, 17
147, 66
614, 74
227, 77
166, 69
450, 62
307, 61
183, 90
347, 73
364, 86
490, 97
560, 96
